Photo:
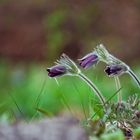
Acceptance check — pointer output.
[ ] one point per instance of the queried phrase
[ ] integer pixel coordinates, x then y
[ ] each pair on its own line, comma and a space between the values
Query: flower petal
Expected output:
56, 70
88, 60
115, 70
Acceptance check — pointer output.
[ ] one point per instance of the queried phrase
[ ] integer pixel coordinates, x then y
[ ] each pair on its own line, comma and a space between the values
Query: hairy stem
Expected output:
133, 75
118, 86
93, 87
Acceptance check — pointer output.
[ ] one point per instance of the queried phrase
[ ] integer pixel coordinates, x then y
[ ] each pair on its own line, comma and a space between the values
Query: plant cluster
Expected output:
124, 115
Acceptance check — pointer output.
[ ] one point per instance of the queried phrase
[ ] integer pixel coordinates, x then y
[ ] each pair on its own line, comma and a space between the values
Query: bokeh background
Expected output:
34, 33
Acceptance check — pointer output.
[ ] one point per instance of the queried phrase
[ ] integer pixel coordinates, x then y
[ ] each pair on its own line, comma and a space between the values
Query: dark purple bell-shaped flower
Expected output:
56, 70
89, 60
115, 70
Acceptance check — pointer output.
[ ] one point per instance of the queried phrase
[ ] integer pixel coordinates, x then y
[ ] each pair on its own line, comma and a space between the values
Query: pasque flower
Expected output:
116, 66
115, 70
64, 66
89, 60
57, 70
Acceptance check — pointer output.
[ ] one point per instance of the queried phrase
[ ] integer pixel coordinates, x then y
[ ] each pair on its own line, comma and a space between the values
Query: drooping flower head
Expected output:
64, 66
88, 60
115, 70
56, 70
115, 66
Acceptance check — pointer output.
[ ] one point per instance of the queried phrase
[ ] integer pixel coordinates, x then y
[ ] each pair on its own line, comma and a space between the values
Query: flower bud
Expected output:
89, 60
57, 70
115, 70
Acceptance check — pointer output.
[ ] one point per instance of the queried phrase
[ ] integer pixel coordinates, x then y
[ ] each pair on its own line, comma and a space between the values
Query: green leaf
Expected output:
46, 113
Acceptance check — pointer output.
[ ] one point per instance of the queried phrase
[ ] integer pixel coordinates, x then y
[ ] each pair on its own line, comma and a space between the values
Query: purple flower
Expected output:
56, 70
115, 70
89, 60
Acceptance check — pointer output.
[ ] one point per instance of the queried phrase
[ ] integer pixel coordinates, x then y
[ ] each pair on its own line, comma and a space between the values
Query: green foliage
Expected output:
31, 86
29, 94
137, 133
118, 135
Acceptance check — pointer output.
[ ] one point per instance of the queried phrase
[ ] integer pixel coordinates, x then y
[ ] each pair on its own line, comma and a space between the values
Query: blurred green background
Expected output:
33, 34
